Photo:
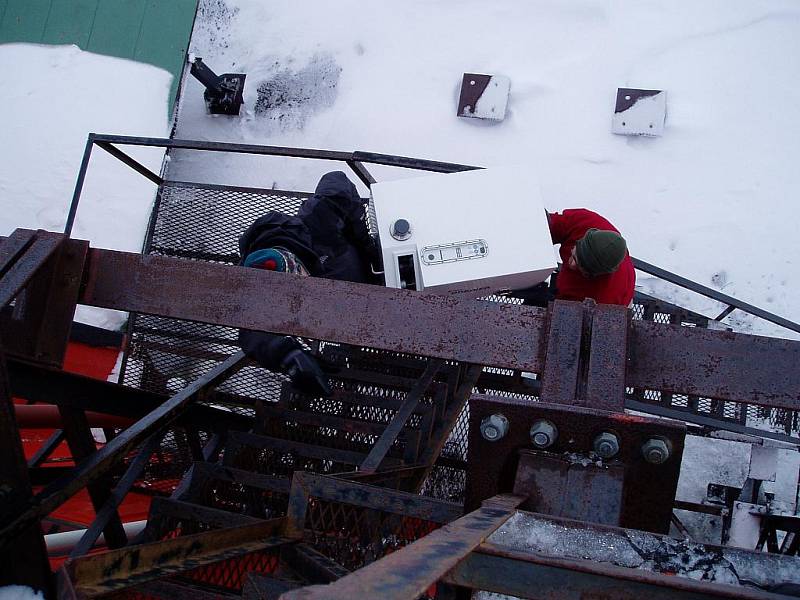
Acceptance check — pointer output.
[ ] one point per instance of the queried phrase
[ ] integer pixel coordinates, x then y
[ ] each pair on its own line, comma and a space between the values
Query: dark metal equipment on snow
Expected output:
223, 93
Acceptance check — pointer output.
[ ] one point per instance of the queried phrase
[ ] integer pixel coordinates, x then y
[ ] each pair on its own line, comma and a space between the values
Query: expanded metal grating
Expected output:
354, 536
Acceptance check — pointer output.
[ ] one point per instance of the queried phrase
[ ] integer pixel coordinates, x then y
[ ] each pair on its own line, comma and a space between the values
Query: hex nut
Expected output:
656, 451
606, 445
543, 434
494, 427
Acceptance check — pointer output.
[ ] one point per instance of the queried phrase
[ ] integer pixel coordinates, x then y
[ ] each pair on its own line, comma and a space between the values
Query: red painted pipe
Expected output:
46, 416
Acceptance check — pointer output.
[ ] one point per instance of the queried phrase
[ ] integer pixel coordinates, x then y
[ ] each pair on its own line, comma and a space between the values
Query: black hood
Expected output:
336, 184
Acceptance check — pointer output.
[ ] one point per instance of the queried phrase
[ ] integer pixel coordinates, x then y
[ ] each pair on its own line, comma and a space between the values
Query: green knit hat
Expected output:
600, 252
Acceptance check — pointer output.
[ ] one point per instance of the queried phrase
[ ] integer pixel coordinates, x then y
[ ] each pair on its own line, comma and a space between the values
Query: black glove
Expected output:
305, 373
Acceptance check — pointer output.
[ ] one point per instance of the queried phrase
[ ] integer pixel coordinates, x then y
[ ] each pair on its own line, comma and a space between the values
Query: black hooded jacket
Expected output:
335, 218
329, 235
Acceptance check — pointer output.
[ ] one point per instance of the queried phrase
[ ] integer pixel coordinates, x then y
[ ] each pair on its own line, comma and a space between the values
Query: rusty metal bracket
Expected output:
585, 355
649, 488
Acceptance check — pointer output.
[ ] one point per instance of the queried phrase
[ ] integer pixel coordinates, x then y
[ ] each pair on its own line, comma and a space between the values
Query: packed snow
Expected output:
19, 592
712, 199
58, 96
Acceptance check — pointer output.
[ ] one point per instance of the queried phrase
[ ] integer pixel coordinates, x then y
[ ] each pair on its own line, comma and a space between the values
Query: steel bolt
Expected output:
543, 434
494, 427
656, 451
606, 445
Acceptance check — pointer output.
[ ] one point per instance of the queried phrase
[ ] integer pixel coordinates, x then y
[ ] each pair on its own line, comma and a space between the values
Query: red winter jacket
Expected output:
568, 227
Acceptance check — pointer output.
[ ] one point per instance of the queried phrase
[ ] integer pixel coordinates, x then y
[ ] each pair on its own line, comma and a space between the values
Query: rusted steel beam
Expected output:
25, 562
42, 317
314, 566
408, 572
714, 364
219, 472
708, 509
98, 464
398, 320
395, 426
562, 355
348, 424
465, 383
24, 255
560, 486
43, 384
260, 587
585, 355
178, 589
98, 574
456, 404
401, 473
13, 246
47, 448
605, 374
238, 439
180, 509
361, 171
108, 511
82, 446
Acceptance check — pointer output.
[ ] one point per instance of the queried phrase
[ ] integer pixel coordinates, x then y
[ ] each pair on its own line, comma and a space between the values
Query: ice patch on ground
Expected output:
289, 97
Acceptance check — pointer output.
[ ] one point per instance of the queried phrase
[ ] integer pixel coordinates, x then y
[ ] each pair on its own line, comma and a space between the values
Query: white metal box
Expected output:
479, 231
483, 96
639, 112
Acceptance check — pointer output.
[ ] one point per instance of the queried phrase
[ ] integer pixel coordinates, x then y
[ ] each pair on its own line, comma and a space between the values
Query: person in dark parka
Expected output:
328, 238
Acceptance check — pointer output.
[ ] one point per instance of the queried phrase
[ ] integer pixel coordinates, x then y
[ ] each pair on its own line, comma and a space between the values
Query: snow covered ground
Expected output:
58, 95
713, 199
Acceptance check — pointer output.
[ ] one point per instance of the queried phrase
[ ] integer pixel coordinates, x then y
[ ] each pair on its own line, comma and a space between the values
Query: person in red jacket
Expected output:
595, 262
595, 258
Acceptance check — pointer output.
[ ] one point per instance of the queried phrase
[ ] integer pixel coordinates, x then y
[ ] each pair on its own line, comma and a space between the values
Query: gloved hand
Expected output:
305, 373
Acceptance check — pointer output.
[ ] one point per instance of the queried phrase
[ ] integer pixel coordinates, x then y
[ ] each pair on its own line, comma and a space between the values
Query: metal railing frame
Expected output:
355, 160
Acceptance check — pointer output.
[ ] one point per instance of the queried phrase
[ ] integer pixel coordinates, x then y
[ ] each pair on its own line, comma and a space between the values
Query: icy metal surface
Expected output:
642, 551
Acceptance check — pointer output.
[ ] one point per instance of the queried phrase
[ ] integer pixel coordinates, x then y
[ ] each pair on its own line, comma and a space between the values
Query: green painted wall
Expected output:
150, 31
